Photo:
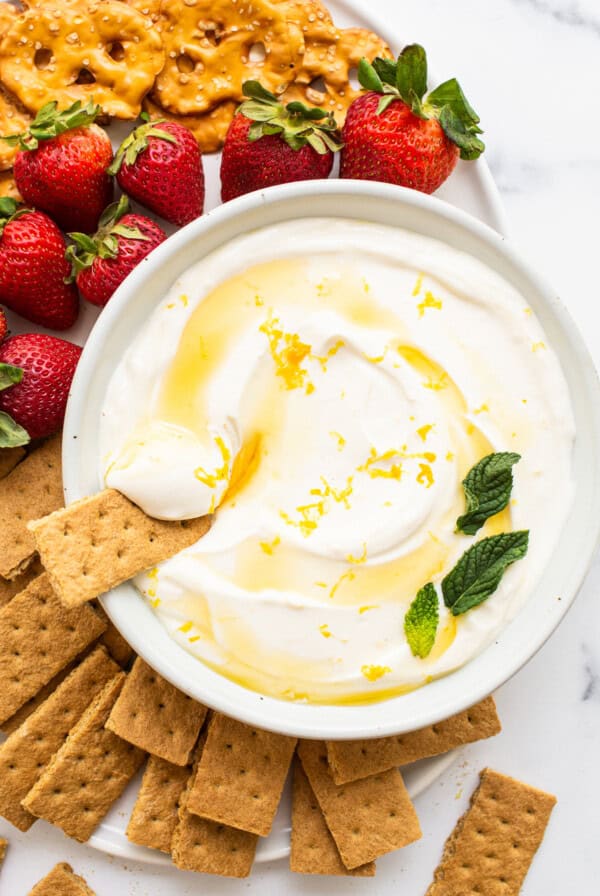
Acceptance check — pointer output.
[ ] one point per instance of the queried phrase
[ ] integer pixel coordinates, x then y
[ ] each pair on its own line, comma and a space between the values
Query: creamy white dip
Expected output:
324, 386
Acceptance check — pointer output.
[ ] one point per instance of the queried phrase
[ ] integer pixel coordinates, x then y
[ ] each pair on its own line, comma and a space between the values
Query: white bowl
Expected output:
384, 204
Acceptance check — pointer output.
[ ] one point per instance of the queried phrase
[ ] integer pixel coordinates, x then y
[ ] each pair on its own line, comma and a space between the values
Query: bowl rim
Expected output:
471, 682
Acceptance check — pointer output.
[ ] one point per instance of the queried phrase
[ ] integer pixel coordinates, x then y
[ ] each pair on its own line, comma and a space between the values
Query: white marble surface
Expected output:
531, 68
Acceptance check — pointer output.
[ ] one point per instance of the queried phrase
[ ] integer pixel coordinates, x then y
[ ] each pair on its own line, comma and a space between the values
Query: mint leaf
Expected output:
488, 486
11, 434
9, 375
421, 621
480, 569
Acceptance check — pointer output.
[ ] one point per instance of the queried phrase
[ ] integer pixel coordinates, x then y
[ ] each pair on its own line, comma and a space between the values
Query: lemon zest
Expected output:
374, 673
221, 474
269, 546
429, 301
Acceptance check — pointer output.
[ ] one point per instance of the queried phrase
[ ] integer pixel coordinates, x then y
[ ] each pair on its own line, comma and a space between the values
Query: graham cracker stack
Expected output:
31, 490
89, 772
155, 814
27, 752
240, 775
38, 638
313, 849
100, 542
152, 714
353, 759
366, 818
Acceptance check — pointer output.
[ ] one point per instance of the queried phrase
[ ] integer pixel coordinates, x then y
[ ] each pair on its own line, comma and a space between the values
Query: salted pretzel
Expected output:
8, 186
323, 78
213, 46
14, 119
209, 128
109, 52
8, 15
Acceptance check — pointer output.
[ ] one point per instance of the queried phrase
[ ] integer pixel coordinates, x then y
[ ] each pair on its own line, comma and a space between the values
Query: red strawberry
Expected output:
160, 165
101, 263
62, 166
392, 134
3, 325
33, 268
35, 377
268, 143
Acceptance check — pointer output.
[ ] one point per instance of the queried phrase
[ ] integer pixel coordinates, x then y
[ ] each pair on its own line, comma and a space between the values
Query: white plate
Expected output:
471, 188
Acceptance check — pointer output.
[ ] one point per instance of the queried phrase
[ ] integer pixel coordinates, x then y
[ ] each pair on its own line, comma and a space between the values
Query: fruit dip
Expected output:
323, 387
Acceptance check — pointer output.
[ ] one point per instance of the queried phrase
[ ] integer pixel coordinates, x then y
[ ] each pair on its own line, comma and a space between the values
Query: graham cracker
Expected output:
9, 458
30, 748
25, 711
113, 640
100, 542
353, 759
31, 490
38, 638
3, 848
62, 881
492, 846
367, 818
152, 714
89, 772
240, 775
207, 846
154, 817
313, 849
11, 587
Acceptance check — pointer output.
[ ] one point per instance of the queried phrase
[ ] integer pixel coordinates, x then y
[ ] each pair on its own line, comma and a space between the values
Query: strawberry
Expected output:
392, 134
101, 263
268, 143
33, 268
160, 165
3, 325
62, 165
35, 377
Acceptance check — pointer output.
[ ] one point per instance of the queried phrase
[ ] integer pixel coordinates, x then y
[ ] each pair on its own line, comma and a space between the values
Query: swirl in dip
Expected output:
323, 387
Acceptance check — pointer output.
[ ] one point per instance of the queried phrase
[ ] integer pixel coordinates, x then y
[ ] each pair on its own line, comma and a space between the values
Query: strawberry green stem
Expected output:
406, 79
295, 123
137, 142
49, 123
104, 244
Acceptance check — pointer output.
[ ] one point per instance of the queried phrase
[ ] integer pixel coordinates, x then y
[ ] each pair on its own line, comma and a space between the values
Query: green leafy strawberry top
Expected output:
12, 435
9, 210
49, 123
137, 141
104, 243
406, 79
296, 123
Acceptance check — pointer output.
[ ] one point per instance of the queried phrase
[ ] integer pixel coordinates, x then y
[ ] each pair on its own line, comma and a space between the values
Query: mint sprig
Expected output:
487, 486
12, 435
406, 79
421, 621
480, 569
